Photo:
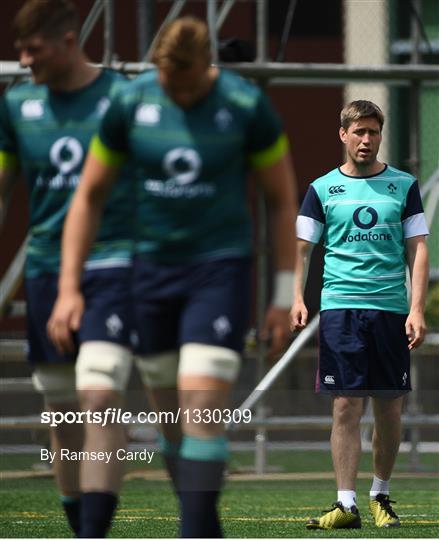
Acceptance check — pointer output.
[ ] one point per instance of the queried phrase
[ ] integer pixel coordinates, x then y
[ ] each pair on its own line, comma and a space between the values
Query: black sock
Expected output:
71, 508
97, 510
171, 463
170, 451
199, 488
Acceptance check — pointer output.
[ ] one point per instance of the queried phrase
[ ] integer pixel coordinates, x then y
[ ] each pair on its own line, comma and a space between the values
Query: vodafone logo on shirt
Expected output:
182, 167
182, 164
365, 217
66, 154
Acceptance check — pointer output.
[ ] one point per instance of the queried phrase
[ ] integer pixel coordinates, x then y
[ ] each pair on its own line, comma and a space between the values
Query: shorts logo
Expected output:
404, 379
359, 217
336, 190
222, 327
329, 379
182, 164
114, 326
66, 154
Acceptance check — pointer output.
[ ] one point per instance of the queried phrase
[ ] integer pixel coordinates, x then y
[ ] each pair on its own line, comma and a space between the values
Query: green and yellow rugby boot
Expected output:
337, 517
382, 511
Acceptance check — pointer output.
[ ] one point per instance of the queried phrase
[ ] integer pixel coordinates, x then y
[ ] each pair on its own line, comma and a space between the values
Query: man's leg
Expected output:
102, 374
346, 443
206, 376
346, 451
54, 377
159, 375
390, 378
385, 444
386, 435
57, 383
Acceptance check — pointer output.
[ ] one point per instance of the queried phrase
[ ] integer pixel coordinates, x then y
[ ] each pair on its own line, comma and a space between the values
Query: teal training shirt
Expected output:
48, 134
192, 164
364, 222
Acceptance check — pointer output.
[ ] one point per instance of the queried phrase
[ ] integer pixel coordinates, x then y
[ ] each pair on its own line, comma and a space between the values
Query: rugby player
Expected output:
45, 129
193, 130
371, 219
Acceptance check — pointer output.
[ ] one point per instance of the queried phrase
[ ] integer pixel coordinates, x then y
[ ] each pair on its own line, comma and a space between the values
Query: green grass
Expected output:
320, 461
281, 460
258, 509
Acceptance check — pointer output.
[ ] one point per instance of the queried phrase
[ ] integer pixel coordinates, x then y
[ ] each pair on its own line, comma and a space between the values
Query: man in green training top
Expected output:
193, 131
45, 129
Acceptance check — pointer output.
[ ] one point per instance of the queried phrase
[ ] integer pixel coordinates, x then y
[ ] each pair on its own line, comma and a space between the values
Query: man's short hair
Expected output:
361, 108
181, 43
49, 18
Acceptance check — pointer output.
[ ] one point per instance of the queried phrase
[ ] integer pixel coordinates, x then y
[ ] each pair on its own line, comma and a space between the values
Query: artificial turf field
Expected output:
273, 508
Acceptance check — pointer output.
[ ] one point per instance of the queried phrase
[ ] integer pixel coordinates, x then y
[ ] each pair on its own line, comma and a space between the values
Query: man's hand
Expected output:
276, 330
64, 320
415, 329
298, 316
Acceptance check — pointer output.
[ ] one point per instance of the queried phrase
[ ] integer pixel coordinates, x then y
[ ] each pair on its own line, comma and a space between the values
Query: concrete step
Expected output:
22, 422
16, 308
16, 384
13, 349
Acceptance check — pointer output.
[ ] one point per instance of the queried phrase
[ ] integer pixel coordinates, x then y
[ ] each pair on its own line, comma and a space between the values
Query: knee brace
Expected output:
56, 382
209, 361
158, 370
102, 364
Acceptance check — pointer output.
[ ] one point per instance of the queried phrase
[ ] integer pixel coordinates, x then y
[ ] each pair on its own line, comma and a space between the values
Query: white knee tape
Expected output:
56, 382
209, 361
101, 364
159, 370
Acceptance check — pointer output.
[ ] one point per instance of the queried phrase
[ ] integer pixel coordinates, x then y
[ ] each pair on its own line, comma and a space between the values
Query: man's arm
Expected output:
79, 232
417, 260
299, 311
279, 185
7, 178
8, 174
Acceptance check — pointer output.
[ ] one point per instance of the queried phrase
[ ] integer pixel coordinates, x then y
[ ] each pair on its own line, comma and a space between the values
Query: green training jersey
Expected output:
48, 134
364, 223
191, 164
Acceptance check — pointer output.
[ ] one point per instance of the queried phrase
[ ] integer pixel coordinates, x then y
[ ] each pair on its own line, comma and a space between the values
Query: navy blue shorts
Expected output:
363, 352
107, 315
206, 302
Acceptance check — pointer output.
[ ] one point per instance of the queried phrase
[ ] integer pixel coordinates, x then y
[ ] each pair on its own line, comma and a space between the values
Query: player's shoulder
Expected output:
331, 176
144, 81
114, 76
238, 90
24, 101
397, 174
144, 84
25, 90
109, 82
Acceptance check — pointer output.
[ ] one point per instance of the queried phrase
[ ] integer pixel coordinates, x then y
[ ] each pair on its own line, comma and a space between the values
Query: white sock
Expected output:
347, 497
379, 486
